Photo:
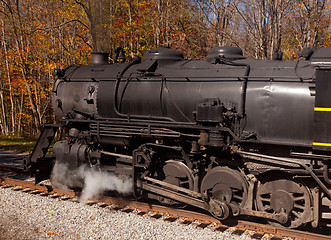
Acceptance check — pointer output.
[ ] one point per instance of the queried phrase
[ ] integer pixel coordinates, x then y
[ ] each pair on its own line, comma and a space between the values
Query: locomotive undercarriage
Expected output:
176, 169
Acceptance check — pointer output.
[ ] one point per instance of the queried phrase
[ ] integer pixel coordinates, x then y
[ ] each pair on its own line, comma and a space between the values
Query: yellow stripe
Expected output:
322, 144
321, 109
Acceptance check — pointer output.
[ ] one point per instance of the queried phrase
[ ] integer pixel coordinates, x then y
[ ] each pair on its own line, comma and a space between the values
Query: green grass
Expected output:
17, 144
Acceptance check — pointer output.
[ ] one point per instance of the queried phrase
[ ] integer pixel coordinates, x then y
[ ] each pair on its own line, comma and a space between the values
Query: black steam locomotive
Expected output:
226, 134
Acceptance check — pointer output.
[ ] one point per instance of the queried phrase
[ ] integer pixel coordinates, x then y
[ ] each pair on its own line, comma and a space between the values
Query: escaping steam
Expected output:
63, 177
93, 182
96, 183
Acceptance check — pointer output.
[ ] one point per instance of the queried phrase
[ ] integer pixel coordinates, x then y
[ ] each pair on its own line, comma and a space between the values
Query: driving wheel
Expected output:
225, 184
178, 174
285, 195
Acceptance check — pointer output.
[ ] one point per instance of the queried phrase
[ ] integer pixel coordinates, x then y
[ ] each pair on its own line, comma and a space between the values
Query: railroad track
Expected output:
13, 170
168, 214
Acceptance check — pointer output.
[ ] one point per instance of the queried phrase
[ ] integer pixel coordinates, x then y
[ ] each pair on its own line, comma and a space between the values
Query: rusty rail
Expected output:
13, 169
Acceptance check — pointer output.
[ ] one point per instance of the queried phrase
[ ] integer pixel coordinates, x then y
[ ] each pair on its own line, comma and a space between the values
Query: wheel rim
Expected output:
292, 197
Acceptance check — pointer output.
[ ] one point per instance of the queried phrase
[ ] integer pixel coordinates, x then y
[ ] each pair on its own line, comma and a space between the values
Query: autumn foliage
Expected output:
39, 36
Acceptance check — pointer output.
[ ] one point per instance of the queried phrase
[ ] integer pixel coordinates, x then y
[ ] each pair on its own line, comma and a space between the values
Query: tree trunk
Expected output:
9, 81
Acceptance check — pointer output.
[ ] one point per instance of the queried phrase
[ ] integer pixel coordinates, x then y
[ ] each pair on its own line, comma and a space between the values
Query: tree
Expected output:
307, 22
263, 25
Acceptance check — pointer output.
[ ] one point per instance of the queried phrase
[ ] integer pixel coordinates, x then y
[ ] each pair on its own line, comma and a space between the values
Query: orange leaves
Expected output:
43, 36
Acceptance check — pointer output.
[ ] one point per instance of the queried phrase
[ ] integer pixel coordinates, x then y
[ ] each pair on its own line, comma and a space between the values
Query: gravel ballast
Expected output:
27, 216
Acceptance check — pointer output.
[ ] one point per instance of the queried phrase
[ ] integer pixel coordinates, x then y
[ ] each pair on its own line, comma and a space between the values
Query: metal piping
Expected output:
116, 155
115, 104
326, 174
244, 85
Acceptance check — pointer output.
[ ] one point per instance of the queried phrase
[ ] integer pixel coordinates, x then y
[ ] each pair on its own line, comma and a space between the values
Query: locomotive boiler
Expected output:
233, 136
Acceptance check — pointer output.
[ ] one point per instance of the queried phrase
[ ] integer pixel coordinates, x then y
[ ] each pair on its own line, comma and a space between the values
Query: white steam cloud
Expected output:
63, 177
96, 183
93, 182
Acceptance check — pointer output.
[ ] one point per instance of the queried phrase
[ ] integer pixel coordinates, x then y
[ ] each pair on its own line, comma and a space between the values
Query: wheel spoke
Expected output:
296, 214
299, 198
237, 197
184, 182
265, 199
235, 190
299, 207
267, 207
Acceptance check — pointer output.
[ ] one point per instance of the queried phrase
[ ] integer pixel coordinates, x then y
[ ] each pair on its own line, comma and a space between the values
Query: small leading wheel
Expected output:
178, 174
285, 195
225, 184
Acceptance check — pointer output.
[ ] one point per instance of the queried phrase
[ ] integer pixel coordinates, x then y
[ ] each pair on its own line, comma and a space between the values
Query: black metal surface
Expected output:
100, 58
278, 105
217, 54
322, 117
39, 163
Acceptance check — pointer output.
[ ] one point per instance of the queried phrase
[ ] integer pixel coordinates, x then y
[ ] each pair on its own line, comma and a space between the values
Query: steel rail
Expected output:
13, 169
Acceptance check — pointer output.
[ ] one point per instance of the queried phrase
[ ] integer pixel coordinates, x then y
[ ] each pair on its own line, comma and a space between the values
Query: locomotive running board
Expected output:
217, 208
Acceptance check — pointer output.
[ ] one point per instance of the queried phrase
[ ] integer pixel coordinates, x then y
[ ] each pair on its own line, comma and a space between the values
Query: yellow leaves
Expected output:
290, 53
52, 233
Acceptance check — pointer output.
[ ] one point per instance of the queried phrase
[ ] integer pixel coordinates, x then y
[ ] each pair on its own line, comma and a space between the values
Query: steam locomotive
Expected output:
233, 136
